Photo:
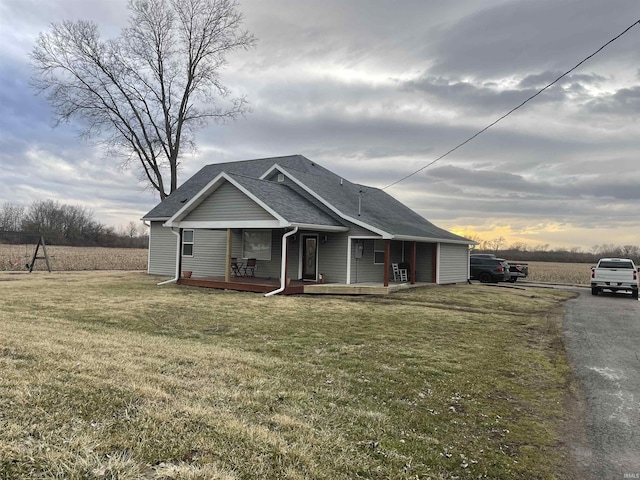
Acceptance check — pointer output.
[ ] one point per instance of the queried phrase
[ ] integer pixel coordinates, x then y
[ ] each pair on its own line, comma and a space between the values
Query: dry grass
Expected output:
15, 257
106, 375
560, 273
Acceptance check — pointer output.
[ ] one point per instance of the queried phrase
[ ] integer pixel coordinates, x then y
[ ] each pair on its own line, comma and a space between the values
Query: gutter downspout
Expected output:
283, 276
148, 225
175, 279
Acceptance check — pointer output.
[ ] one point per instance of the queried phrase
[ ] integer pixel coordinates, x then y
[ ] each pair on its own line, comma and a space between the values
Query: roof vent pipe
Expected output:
340, 181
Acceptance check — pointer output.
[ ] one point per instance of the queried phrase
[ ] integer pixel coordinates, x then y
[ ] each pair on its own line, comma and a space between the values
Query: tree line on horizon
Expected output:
72, 225
545, 253
63, 224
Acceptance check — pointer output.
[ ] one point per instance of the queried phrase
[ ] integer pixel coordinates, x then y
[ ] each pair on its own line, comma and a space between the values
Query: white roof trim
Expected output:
410, 238
223, 225
355, 221
320, 228
212, 186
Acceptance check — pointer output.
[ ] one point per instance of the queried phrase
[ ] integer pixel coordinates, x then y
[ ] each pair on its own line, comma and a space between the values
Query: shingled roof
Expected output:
286, 202
335, 199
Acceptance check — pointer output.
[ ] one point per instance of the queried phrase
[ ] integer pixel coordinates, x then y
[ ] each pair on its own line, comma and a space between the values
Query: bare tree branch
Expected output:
144, 94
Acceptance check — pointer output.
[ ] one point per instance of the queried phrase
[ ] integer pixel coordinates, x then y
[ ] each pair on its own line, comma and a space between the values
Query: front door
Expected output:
309, 257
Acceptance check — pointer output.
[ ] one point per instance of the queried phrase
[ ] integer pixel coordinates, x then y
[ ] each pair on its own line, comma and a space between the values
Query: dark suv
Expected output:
489, 269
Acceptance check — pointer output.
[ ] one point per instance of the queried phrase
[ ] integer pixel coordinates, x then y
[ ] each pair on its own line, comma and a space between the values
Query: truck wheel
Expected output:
594, 290
634, 293
485, 277
513, 279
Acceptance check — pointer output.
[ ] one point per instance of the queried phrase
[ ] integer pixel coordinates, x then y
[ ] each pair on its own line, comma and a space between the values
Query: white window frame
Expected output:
376, 250
252, 255
192, 242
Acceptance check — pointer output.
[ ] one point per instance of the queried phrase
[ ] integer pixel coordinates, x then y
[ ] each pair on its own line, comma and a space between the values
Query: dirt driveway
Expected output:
602, 338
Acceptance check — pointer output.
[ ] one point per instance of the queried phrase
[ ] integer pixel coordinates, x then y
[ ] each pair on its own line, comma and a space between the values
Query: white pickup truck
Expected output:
614, 274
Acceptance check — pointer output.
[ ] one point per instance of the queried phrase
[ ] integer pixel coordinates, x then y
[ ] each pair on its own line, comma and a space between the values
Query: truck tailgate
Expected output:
611, 275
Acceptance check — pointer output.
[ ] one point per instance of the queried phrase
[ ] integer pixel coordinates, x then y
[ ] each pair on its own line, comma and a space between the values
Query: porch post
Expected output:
227, 267
413, 262
387, 261
286, 265
436, 246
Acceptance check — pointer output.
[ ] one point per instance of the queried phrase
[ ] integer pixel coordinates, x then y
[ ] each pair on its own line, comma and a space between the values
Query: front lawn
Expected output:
106, 375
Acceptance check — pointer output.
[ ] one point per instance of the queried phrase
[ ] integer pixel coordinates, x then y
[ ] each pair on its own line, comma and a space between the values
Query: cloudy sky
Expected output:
374, 90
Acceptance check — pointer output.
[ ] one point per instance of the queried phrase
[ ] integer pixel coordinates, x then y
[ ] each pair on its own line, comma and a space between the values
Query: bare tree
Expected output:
543, 247
11, 217
132, 229
145, 93
519, 247
59, 222
628, 250
495, 244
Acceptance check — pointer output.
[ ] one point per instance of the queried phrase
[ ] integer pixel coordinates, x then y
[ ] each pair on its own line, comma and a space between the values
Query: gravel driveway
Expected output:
602, 338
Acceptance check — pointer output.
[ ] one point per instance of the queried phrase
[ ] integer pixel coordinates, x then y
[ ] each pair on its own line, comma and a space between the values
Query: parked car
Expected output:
489, 269
517, 269
615, 274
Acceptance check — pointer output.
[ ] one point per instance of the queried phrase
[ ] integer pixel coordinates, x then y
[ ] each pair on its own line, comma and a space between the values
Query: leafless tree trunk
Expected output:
144, 94
11, 217
496, 243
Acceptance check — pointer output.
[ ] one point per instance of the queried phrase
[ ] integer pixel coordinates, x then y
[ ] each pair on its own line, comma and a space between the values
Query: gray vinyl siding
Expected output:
424, 262
293, 256
210, 249
332, 257
271, 268
454, 263
363, 269
228, 203
209, 253
162, 250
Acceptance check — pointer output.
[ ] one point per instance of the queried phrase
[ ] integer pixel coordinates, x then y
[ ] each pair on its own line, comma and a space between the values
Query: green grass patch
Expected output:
106, 375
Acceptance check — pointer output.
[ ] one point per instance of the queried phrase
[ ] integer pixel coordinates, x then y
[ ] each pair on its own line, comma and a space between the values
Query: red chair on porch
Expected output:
250, 268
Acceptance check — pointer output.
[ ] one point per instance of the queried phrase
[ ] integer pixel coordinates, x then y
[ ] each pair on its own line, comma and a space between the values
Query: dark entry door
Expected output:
309, 257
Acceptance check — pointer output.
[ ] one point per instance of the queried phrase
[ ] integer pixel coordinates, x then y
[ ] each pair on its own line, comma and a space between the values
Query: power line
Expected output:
637, 22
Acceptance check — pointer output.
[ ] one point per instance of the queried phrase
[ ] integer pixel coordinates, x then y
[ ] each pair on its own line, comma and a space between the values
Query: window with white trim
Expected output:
256, 244
378, 252
187, 243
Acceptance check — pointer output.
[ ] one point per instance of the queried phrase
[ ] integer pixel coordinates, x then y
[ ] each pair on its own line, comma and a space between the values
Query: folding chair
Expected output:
235, 267
399, 274
250, 268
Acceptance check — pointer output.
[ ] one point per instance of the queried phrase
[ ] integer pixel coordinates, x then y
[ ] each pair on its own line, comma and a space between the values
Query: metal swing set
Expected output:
29, 265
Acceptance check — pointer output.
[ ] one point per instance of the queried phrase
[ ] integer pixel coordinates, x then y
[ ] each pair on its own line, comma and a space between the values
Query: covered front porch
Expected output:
297, 287
244, 284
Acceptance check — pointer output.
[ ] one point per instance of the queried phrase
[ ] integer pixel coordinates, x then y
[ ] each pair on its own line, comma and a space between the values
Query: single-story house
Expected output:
302, 223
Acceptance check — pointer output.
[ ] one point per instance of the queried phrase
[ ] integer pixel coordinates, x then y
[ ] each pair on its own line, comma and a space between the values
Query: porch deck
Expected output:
244, 284
372, 288
265, 285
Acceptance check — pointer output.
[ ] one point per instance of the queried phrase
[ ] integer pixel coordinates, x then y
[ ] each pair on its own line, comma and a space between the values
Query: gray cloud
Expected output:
375, 90
484, 98
541, 80
623, 101
512, 37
